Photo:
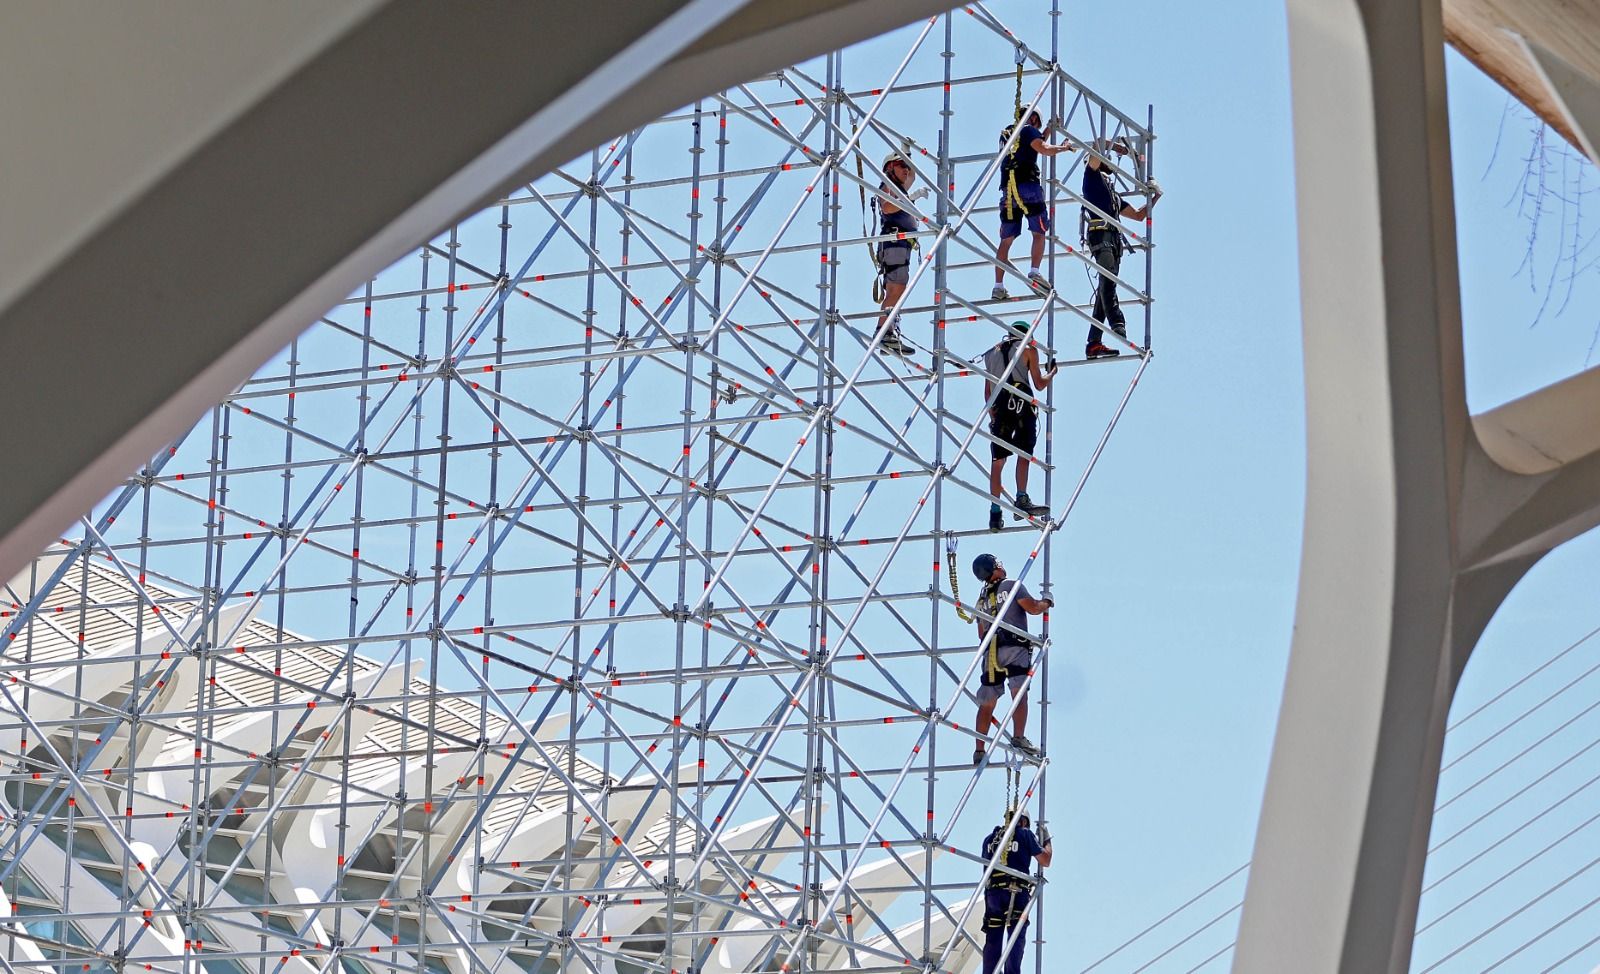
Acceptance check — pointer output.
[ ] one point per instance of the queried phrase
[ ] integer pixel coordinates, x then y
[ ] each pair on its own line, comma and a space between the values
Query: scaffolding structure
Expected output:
653, 382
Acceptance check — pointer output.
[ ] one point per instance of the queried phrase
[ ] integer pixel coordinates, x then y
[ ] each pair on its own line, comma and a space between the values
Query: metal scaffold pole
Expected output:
311, 694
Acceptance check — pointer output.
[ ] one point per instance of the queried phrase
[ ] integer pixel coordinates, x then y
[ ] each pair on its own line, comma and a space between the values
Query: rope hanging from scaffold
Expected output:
1014, 203
867, 229
955, 586
1022, 58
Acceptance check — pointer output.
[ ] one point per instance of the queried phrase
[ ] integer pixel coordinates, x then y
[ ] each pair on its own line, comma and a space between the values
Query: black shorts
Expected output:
1016, 422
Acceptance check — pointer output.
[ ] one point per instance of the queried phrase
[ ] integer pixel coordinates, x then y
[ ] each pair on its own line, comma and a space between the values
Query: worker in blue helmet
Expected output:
1014, 415
1008, 657
1008, 892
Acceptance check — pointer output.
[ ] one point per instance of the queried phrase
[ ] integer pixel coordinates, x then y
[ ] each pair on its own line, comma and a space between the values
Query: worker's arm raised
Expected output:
1046, 853
1103, 146
887, 195
1044, 148
1041, 378
1143, 212
1035, 607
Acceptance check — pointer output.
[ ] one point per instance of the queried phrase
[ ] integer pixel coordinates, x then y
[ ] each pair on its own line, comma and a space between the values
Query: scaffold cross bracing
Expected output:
561, 601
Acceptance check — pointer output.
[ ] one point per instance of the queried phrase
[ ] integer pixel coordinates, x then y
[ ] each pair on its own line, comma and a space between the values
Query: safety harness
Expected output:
1006, 363
875, 250
1018, 889
995, 672
1089, 222
901, 223
1005, 882
955, 586
1014, 203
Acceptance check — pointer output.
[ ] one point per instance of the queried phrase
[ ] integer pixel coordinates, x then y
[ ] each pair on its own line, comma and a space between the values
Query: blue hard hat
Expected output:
983, 566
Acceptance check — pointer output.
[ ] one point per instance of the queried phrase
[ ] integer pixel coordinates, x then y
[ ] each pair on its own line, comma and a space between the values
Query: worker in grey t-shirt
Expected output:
1009, 656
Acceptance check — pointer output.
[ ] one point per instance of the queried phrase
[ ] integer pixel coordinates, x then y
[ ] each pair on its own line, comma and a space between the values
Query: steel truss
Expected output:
743, 744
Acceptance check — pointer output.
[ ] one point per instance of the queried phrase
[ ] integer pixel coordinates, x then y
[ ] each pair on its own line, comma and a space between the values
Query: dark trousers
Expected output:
1000, 903
1106, 248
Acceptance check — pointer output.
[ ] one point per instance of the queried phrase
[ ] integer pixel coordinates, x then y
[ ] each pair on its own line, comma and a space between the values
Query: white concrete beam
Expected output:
1350, 789
1419, 519
382, 125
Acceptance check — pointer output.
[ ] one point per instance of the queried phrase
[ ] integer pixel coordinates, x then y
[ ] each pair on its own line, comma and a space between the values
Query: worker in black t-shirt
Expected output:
1103, 237
1022, 197
1006, 897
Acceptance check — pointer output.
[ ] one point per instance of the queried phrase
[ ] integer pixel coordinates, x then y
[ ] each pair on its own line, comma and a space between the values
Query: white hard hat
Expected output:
895, 157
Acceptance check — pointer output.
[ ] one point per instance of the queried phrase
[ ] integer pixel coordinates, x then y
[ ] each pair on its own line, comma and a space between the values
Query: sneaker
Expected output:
1028, 508
977, 756
1101, 350
894, 344
996, 519
1024, 745
1037, 281
999, 293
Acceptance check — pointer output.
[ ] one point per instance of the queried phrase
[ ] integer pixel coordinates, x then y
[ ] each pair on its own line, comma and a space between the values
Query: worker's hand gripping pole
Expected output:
950, 565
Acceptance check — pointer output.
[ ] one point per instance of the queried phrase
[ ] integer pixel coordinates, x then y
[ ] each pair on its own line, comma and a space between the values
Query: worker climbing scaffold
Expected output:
1022, 194
1007, 647
1102, 236
893, 256
1014, 415
1008, 894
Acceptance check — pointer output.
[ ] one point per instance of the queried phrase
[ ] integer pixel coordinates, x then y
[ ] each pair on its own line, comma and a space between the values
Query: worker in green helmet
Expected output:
1014, 415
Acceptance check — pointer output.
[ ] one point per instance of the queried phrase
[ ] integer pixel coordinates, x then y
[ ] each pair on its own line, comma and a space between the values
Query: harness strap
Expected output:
994, 671
955, 586
1013, 195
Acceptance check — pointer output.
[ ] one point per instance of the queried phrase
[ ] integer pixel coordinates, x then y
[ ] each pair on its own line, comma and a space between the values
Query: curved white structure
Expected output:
1419, 517
373, 841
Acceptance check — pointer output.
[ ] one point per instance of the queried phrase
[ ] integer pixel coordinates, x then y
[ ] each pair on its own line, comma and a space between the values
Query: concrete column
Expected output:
1419, 518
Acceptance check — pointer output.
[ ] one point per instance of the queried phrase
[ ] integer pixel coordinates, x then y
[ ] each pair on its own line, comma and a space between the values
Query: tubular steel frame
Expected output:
717, 757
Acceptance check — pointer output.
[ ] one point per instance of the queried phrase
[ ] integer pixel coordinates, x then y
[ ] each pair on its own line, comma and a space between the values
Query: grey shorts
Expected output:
1011, 657
894, 256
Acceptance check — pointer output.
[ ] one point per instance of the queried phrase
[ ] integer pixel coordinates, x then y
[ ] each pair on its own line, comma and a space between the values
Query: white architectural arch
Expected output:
1420, 518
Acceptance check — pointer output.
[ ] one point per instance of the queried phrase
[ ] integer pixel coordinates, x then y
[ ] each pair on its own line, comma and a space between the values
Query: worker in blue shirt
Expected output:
1006, 897
1022, 197
1103, 238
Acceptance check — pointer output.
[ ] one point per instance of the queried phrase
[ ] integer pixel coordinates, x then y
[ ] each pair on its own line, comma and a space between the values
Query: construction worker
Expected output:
1103, 237
1006, 897
1013, 417
1022, 195
1008, 657
894, 256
